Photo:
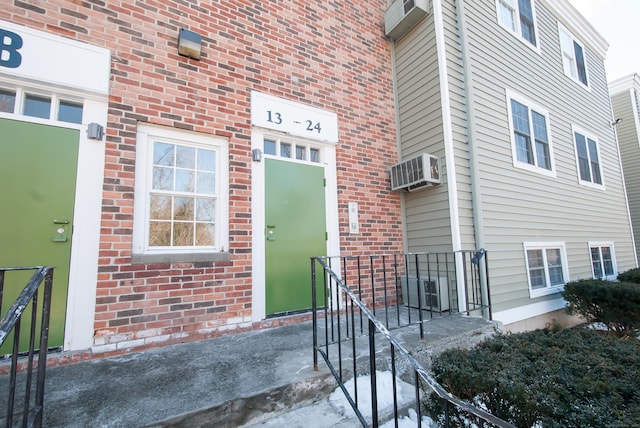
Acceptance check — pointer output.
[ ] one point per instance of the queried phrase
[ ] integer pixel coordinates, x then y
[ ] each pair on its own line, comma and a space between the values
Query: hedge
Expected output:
566, 378
614, 304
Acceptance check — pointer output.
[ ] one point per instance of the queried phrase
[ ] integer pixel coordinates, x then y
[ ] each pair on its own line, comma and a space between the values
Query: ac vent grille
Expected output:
416, 173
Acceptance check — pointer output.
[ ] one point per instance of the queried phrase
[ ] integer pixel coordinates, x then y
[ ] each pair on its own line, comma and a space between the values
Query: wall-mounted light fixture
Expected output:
95, 131
615, 122
256, 155
189, 44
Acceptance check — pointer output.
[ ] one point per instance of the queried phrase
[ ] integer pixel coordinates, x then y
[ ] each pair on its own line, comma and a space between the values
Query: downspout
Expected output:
474, 169
452, 183
396, 108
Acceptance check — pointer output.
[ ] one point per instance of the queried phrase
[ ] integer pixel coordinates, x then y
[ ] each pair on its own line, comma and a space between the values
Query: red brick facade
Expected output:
330, 55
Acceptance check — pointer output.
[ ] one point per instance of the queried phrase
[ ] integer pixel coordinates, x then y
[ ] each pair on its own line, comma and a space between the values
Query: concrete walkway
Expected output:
243, 379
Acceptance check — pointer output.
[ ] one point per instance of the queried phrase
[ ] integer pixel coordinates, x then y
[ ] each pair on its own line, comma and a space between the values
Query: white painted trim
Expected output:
565, 267
588, 136
574, 40
452, 184
83, 270
610, 244
517, 33
529, 311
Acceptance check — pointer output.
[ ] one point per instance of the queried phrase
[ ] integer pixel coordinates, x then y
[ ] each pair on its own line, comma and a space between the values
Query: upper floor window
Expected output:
530, 136
573, 58
546, 266
588, 160
517, 16
181, 183
602, 260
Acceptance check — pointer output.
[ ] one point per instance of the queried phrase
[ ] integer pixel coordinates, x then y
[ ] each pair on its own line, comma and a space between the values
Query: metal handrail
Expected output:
376, 325
32, 410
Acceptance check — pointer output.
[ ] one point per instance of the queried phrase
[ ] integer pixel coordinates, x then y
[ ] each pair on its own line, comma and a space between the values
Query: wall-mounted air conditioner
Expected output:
416, 173
402, 15
434, 293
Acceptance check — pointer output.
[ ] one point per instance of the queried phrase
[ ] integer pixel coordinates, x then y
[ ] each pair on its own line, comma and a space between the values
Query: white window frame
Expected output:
539, 292
588, 136
542, 111
147, 134
569, 56
600, 245
516, 25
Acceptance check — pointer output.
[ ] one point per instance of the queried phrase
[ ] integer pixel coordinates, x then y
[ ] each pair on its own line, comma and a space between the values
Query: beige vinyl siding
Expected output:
427, 220
522, 206
625, 107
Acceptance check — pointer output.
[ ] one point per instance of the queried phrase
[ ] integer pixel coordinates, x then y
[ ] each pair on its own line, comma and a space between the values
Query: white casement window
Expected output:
530, 135
546, 267
181, 196
518, 16
573, 57
603, 262
587, 159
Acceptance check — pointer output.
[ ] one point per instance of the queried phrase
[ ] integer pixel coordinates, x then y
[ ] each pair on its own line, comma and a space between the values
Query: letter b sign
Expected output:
10, 42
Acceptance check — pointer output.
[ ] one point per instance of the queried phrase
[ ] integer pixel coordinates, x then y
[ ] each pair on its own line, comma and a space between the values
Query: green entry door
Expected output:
295, 232
38, 166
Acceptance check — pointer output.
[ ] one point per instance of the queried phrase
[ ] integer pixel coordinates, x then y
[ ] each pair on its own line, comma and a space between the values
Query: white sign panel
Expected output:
293, 118
44, 57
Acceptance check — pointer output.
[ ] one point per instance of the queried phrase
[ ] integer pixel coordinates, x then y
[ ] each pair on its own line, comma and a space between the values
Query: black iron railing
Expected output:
30, 412
345, 330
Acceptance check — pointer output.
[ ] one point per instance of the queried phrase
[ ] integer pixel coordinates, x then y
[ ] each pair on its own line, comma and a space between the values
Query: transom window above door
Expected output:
295, 150
43, 106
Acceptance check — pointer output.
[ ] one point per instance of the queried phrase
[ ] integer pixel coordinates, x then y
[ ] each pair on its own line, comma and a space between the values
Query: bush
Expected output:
566, 378
632, 275
615, 304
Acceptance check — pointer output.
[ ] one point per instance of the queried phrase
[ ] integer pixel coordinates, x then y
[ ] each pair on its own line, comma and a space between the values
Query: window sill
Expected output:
546, 291
180, 257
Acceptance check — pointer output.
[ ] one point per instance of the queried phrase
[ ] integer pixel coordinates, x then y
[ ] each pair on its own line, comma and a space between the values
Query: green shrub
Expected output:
566, 378
615, 304
632, 275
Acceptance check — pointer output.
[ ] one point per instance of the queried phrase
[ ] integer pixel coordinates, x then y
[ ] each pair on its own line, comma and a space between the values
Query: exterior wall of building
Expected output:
624, 101
334, 57
525, 206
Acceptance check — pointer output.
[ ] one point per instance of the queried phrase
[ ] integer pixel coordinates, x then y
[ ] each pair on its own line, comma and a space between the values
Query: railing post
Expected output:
314, 316
372, 375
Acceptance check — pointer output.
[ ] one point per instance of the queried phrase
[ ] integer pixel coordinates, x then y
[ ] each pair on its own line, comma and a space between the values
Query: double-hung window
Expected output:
587, 158
518, 16
180, 195
546, 267
602, 260
530, 136
573, 57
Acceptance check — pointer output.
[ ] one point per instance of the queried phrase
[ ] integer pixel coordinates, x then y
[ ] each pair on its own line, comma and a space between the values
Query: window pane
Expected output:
526, 21
183, 209
542, 140
37, 106
206, 160
160, 207
185, 157
285, 150
595, 261
583, 157
607, 260
185, 180
163, 154
162, 178
159, 234
554, 263
581, 68
523, 149
507, 16
70, 112
7, 101
595, 162
536, 269
301, 153
269, 147
314, 155
206, 210
182, 234
205, 234
206, 183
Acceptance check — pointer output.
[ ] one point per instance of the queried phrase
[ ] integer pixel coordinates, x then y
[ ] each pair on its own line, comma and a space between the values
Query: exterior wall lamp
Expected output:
189, 44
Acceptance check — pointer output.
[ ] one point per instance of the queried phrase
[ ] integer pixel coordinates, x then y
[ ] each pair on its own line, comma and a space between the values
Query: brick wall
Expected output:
332, 55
